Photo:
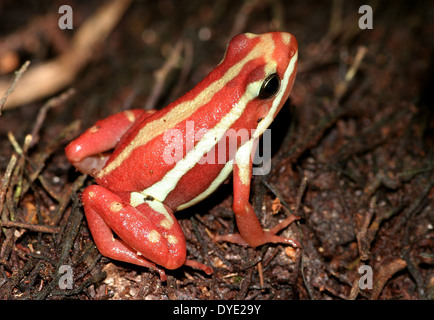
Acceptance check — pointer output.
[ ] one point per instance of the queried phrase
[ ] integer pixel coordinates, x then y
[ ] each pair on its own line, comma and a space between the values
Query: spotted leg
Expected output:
146, 235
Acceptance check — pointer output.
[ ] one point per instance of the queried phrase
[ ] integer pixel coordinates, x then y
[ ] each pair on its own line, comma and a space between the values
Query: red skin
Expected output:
107, 206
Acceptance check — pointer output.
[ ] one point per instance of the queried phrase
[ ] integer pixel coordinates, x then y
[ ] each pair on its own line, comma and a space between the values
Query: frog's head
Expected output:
266, 69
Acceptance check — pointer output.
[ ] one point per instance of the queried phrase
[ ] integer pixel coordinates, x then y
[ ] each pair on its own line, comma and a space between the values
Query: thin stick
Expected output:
18, 75
261, 274
161, 75
6, 179
342, 87
29, 226
42, 114
15, 143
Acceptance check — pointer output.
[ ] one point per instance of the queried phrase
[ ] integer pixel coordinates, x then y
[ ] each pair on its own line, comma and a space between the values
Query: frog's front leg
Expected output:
142, 235
89, 151
250, 230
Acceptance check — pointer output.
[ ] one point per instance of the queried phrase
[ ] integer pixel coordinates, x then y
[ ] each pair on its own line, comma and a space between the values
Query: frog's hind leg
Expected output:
146, 234
89, 152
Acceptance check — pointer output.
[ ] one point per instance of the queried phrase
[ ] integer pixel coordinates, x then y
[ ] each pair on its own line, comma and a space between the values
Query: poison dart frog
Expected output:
130, 211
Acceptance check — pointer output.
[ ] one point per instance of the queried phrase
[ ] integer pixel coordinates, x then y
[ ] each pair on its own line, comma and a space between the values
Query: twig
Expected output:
261, 274
18, 75
307, 284
6, 179
276, 193
245, 284
15, 143
362, 240
66, 197
385, 272
29, 226
300, 194
39, 159
342, 87
17, 177
53, 102
187, 63
161, 75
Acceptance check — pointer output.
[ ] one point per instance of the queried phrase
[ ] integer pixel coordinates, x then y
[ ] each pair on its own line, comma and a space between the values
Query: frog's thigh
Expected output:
150, 230
89, 150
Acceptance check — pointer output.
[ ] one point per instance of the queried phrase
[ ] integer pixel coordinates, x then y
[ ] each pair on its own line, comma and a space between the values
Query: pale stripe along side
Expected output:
176, 114
180, 112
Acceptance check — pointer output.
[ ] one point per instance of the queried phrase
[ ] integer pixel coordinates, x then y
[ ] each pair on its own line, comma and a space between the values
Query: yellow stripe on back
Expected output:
185, 109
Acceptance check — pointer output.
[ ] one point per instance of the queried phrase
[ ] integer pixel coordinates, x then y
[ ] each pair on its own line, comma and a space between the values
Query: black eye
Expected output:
270, 86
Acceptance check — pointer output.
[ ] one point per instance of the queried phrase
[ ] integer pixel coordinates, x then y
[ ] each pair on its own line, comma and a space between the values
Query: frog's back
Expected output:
160, 155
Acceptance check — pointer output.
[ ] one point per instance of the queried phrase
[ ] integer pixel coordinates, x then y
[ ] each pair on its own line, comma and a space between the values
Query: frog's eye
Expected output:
270, 86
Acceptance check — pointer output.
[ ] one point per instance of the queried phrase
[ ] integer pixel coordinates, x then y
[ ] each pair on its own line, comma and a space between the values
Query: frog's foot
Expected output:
116, 249
266, 236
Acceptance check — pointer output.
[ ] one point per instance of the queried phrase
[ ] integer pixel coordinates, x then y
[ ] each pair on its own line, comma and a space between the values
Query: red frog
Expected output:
130, 212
